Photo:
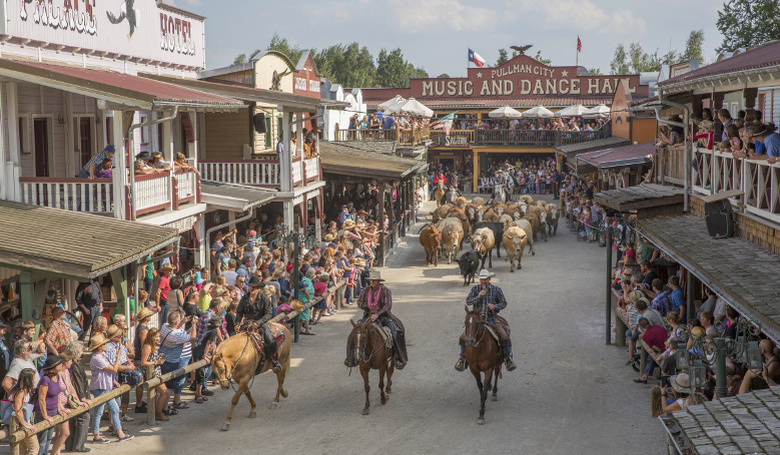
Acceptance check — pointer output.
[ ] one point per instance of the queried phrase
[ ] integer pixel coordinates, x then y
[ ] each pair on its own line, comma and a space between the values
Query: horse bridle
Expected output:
358, 346
230, 374
482, 337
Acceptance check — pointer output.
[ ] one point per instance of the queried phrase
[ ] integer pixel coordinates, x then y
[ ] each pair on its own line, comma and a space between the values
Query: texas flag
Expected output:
579, 45
476, 59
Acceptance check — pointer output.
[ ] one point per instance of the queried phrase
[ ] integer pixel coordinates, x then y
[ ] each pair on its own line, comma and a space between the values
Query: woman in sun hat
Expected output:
681, 389
102, 382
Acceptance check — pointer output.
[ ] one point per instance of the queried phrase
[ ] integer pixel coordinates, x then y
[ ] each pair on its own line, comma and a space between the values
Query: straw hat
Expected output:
143, 314
328, 237
296, 305
681, 383
113, 331
166, 266
485, 274
349, 224
97, 341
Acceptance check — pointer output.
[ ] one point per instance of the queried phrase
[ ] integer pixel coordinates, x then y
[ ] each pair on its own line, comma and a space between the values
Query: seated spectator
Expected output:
655, 337
49, 406
152, 357
678, 300
770, 374
632, 316
680, 390
99, 326
709, 303
653, 316
707, 321
662, 301
733, 318
103, 381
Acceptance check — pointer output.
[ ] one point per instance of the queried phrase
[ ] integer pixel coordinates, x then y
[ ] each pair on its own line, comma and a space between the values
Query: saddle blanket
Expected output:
277, 332
387, 336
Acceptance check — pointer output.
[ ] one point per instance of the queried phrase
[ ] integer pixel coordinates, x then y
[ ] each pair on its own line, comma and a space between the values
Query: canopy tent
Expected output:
572, 111
597, 112
394, 101
538, 112
412, 107
505, 112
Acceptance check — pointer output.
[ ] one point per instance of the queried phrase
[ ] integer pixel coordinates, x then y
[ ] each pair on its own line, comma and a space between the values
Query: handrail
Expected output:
252, 160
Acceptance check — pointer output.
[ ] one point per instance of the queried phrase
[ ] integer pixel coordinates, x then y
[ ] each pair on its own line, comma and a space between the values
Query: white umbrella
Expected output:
597, 111
397, 99
538, 112
412, 107
572, 111
504, 112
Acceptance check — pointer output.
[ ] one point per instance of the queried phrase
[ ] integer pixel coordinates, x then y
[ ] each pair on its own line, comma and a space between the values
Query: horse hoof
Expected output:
384, 400
494, 398
480, 421
225, 426
273, 405
365, 412
252, 415
284, 393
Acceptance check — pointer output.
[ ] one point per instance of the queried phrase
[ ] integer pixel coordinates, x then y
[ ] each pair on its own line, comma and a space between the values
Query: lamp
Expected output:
755, 360
698, 374
683, 357
61, 119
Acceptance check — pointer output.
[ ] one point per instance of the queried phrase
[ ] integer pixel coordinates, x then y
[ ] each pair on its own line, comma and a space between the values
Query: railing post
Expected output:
174, 191
150, 396
336, 133
14, 427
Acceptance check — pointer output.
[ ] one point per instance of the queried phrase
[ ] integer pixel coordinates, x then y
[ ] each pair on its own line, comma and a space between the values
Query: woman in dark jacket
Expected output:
79, 425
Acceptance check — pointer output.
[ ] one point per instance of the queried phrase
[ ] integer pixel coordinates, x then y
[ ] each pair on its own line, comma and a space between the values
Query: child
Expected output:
320, 289
253, 241
203, 350
724, 146
230, 318
197, 277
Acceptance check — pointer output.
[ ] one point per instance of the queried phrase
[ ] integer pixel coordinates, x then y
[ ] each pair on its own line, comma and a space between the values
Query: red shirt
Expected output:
320, 288
655, 335
164, 287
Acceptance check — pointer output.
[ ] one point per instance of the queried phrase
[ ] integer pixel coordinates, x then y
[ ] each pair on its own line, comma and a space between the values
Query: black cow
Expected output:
469, 265
498, 232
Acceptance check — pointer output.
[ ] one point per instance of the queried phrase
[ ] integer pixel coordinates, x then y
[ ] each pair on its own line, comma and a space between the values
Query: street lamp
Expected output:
285, 236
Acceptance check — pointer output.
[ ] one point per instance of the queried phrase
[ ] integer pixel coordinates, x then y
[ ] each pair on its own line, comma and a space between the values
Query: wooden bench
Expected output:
644, 351
621, 324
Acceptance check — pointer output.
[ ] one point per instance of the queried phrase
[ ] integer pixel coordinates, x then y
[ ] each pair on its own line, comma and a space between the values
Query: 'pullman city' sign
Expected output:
522, 77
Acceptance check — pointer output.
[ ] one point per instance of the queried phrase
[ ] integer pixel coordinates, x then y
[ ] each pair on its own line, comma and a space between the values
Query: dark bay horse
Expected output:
373, 353
482, 357
237, 358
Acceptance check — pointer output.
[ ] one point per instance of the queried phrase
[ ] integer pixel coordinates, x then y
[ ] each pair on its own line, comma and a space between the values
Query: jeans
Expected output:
148, 283
650, 366
113, 410
633, 335
44, 437
175, 385
163, 304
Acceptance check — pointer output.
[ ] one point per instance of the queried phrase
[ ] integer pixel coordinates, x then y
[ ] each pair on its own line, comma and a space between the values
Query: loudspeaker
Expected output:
720, 222
259, 122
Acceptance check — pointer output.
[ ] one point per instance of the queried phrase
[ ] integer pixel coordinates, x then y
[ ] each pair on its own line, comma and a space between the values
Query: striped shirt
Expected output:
97, 160
494, 295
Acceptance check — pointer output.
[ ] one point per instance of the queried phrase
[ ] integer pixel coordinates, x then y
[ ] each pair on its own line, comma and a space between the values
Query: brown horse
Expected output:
237, 358
373, 353
482, 357
438, 195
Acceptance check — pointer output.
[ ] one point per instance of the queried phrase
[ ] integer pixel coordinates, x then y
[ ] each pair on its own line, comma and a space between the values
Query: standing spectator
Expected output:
23, 358
163, 289
79, 425
152, 357
58, 335
94, 164
230, 273
320, 289
141, 330
48, 406
305, 295
148, 274
230, 318
662, 302
174, 338
678, 301
103, 381
204, 349
118, 348
22, 412
89, 299
67, 390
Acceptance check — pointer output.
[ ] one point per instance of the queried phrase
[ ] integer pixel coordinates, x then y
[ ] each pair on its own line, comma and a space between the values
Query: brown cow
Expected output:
478, 201
553, 214
461, 215
482, 242
526, 198
472, 212
451, 237
461, 202
525, 225
441, 212
490, 215
538, 219
430, 238
514, 243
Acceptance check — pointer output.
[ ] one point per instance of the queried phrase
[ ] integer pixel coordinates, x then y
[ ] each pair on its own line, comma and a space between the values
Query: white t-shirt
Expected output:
17, 365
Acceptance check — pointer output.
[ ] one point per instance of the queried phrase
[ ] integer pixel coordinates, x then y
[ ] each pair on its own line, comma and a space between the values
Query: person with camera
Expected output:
126, 371
174, 337
255, 309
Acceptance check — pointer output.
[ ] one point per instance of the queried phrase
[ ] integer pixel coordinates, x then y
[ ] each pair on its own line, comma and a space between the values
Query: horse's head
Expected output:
473, 328
221, 368
359, 337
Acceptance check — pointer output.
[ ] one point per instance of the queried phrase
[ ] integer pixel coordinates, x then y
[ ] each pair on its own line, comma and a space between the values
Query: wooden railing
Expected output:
671, 161
403, 136
153, 192
263, 173
761, 186
517, 138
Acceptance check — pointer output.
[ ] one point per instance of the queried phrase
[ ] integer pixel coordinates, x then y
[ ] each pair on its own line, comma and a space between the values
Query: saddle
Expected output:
257, 339
387, 336
492, 332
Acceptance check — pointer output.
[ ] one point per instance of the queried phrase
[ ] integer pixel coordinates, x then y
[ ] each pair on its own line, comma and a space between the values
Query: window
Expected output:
23, 147
110, 130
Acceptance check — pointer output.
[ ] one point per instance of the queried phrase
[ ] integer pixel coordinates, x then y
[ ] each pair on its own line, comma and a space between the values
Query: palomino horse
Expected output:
482, 357
373, 352
438, 195
237, 358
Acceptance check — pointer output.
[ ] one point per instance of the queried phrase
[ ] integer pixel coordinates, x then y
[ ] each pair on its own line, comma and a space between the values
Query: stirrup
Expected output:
460, 365
276, 367
510, 364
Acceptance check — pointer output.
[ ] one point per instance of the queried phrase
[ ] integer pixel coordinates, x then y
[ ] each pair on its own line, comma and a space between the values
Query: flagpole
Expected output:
577, 57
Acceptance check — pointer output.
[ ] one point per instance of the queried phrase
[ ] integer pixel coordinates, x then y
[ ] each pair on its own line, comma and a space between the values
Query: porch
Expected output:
265, 173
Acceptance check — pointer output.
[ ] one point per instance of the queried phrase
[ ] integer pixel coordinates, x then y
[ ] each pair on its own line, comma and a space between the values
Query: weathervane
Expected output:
521, 49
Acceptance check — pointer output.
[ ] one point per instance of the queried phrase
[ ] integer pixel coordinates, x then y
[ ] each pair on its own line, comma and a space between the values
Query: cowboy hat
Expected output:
166, 266
52, 360
255, 282
97, 341
349, 224
296, 305
329, 237
484, 274
375, 276
360, 262
113, 331
762, 130
681, 383
143, 313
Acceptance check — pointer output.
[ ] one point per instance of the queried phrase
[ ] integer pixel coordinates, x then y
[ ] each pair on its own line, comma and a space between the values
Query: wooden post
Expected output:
150, 396
381, 220
14, 426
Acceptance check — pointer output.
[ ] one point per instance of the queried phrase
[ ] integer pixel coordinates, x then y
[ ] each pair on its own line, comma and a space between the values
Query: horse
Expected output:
438, 195
482, 352
237, 358
373, 352
499, 193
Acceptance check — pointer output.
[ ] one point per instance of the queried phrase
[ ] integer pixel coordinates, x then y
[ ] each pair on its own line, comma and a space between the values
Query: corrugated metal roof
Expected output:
124, 85
73, 244
234, 196
515, 102
618, 156
762, 56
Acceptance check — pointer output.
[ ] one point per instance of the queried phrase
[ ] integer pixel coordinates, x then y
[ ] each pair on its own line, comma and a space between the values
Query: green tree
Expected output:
541, 59
745, 23
240, 59
694, 47
619, 63
503, 57
391, 69
280, 44
350, 66
594, 72
443, 75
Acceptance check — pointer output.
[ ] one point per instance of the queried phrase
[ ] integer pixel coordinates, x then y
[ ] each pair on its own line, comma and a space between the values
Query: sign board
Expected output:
678, 69
135, 28
307, 80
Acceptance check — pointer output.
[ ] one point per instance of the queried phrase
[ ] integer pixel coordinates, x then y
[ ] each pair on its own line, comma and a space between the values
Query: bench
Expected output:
621, 324
644, 351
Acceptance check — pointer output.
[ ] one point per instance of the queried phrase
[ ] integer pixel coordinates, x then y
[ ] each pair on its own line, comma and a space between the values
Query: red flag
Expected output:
579, 45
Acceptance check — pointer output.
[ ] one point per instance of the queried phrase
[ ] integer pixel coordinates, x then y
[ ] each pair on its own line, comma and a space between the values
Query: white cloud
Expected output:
585, 16
417, 16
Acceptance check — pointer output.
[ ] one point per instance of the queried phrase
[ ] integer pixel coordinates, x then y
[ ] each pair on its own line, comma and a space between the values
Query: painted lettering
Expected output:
485, 90
607, 87
575, 87
438, 87
427, 88
468, 88
525, 87
497, 89
552, 87
536, 70
460, 88
509, 87
176, 35
593, 86
563, 90
628, 84
451, 88
65, 17
538, 87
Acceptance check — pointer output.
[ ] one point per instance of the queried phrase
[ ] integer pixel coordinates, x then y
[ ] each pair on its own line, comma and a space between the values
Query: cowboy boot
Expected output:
460, 365
510, 364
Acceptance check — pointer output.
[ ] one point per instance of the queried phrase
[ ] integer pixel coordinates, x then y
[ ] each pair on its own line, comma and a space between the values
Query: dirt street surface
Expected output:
571, 394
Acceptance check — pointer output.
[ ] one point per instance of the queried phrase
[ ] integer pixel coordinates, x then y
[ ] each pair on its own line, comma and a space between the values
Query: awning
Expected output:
629, 155
742, 424
233, 197
123, 91
251, 94
572, 150
644, 196
72, 244
346, 160
737, 270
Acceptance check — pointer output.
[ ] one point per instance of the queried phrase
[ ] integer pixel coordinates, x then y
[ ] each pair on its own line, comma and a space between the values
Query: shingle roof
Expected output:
77, 245
618, 156
611, 141
762, 56
358, 160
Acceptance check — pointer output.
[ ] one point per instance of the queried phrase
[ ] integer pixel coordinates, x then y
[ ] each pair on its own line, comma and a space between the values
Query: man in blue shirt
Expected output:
678, 300
280, 147
765, 134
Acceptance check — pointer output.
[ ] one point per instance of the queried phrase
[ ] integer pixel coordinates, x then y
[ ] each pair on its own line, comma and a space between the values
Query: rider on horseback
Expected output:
255, 306
376, 301
488, 300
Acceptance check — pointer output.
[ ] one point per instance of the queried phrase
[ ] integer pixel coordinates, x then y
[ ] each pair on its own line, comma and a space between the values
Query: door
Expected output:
269, 139
85, 140
41, 143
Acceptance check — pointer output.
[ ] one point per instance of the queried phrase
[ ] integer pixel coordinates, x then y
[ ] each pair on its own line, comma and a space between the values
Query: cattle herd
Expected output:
486, 225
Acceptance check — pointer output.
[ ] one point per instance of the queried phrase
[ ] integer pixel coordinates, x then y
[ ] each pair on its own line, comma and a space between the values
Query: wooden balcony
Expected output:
410, 137
513, 138
153, 193
262, 172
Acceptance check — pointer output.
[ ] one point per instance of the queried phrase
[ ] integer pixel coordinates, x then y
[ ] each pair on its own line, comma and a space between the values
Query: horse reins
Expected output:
378, 350
235, 365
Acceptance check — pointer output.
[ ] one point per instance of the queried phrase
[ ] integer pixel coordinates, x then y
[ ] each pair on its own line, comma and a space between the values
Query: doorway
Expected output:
41, 144
85, 140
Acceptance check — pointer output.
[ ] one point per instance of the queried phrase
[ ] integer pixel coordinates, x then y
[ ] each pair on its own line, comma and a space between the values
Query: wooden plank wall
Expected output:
226, 134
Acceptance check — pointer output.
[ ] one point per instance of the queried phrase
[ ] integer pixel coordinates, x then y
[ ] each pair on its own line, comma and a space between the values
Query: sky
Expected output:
436, 34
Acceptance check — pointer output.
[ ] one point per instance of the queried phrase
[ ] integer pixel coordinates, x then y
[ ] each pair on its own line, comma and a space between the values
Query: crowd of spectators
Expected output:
387, 121
527, 175
552, 124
